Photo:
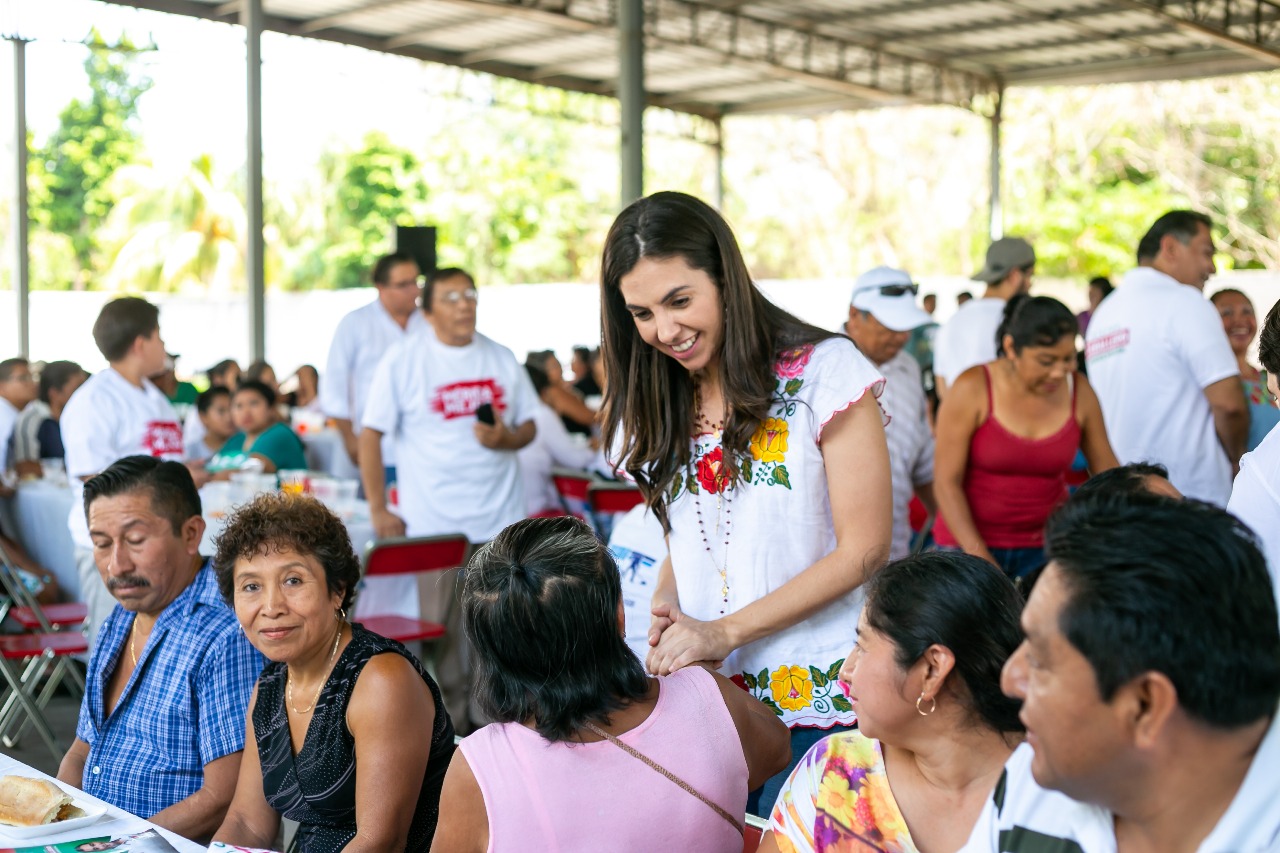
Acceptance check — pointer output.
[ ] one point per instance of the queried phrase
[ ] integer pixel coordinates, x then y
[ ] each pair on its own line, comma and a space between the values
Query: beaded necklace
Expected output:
723, 501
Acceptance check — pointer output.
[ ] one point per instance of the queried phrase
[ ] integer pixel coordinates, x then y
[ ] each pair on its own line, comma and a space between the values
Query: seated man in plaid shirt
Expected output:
161, 727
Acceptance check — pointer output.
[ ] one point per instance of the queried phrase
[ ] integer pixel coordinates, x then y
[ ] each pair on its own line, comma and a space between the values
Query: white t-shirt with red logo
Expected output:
426, 394
106, 419
1152, 348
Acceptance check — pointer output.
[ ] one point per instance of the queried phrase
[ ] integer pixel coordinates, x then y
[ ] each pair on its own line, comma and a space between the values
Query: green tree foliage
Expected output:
71, 171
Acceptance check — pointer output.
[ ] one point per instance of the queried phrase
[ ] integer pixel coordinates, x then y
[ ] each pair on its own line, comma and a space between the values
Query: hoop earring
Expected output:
932, 707
340, 614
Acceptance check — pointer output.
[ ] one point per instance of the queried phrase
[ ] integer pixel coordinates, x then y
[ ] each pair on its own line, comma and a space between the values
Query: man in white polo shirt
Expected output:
432, 395
969, 337
360, 341
1149, 680
117, 412
882, 314
1162, 367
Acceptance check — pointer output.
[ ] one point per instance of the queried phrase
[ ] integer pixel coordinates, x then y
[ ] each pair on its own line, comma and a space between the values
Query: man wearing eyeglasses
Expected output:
359, 343
882, 314
969, 337
457, 406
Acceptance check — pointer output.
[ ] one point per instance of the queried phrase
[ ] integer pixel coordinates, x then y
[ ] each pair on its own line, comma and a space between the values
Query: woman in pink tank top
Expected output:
587, 752
1007, 435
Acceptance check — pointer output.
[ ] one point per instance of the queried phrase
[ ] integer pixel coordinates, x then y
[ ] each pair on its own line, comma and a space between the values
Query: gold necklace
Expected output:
289, 686
133, 637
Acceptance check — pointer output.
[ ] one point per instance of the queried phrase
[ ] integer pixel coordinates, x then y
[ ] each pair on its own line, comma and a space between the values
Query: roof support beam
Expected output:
1188, 18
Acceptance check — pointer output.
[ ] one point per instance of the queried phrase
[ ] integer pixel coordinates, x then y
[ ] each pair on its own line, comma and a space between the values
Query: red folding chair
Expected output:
610, 498
412, 556
753, 833
38, 651
574, 486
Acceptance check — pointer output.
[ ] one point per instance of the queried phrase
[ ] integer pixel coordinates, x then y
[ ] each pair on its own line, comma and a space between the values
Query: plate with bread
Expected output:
32, 808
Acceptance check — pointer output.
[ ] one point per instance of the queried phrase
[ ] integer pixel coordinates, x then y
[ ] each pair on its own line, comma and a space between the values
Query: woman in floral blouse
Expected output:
934, 729
755, 441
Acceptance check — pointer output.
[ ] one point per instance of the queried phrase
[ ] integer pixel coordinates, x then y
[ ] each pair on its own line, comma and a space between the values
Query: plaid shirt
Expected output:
184, 705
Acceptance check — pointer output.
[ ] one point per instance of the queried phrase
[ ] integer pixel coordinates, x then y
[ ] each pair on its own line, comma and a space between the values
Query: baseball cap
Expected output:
1003, 257
889, 295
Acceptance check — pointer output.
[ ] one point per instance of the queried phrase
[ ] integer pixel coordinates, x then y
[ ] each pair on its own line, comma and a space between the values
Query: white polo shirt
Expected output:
1022, 817
910, 442
1152, 348
106, 419
968, 338
360, 341
424, 396
1255, 500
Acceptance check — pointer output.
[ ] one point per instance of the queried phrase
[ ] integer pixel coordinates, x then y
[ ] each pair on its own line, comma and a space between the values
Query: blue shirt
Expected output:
184, 705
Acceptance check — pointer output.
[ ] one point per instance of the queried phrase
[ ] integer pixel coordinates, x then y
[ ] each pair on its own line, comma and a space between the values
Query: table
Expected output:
11, 766
327, 453
37, 515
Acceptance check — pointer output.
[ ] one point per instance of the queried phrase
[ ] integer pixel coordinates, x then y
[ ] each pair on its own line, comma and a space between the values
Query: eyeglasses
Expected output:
453, 297
408, 283
890, 289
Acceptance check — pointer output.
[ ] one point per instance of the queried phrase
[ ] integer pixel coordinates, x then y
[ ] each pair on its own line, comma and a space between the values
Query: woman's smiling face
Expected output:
677, 310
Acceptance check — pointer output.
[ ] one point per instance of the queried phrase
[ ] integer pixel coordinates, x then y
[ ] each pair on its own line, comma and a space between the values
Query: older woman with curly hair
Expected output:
319, 711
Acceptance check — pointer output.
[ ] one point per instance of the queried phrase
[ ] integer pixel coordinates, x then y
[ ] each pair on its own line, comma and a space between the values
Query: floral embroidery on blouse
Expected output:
838, 800
794, 688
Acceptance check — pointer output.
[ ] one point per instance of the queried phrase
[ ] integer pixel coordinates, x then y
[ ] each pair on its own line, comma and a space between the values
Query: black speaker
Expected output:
419, 241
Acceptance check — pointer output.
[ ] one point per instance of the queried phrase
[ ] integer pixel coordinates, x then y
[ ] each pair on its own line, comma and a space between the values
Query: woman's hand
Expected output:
685, 641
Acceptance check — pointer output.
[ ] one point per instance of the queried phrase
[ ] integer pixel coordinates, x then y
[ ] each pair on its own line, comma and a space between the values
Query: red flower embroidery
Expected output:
740, 681
711, 474
792, 362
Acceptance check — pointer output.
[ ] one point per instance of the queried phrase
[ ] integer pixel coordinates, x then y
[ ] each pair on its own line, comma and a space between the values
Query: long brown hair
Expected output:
649, 397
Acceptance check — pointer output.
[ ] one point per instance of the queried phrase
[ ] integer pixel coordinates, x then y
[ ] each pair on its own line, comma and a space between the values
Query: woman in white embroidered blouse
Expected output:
754, 440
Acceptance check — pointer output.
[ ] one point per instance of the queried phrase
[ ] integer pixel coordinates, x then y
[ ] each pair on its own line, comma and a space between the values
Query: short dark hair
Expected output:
1035, 321
57, 374
173, 492
219, 371
207, 397
435, 277
1269, 341
10, 365
255, 371
540, 605
961, 602
538, 377
382, 269
262, 389
275, 521
1128, 479
1102, 283
121, 322
1176, 587
1182, 224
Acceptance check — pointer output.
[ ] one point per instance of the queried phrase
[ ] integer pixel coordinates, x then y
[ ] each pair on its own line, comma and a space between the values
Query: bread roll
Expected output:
31, 802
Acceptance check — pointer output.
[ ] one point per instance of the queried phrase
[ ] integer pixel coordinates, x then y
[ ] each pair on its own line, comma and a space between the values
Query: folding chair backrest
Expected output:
606, 497
753, 833
573, 486
416, 554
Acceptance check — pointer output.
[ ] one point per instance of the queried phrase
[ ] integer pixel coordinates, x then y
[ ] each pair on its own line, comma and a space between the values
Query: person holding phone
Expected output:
456, 406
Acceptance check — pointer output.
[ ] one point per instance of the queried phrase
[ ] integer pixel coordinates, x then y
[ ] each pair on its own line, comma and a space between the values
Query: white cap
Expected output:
895, 311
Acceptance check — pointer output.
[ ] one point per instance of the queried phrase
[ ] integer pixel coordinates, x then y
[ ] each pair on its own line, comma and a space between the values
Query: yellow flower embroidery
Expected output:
792, 688
769, 444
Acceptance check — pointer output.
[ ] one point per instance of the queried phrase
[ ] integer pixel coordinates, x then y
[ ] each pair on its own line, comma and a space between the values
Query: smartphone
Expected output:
484, 414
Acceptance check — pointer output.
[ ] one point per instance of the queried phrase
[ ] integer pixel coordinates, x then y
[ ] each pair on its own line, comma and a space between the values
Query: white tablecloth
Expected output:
11, 766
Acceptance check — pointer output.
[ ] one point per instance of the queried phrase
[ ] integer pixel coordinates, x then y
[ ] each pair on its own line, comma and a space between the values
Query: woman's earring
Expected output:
932, 707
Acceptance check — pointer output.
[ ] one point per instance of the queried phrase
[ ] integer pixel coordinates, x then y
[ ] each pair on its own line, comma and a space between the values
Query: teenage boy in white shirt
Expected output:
360, 341
1149, 688
117, 412
432, 394
969, 337
1162, 367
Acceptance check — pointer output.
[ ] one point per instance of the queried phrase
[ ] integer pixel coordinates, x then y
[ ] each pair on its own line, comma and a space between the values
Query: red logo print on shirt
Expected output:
461, 399
163, 439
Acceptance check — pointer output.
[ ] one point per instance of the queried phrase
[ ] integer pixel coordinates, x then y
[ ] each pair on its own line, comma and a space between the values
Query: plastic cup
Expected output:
293, 482
346, 497
325, 490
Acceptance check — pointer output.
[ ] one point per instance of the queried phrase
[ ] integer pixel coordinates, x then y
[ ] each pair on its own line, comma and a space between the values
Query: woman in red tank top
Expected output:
1007, 434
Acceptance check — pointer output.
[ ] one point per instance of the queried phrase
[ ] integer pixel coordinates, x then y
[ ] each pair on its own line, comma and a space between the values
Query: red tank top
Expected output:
1013, 483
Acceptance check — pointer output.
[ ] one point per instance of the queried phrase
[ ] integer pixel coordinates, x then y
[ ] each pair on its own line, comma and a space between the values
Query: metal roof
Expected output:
719, 57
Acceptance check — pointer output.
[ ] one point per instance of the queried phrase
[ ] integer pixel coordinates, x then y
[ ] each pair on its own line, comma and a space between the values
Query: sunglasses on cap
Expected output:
890, 289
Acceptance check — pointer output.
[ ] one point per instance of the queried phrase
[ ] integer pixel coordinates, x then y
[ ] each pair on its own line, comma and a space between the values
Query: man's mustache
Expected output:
127, 580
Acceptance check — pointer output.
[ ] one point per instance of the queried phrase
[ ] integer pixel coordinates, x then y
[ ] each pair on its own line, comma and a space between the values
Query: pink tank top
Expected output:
561, 798
1012, 483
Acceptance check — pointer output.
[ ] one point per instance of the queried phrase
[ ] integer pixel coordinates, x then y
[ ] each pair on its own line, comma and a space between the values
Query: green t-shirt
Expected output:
278, 443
